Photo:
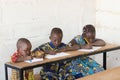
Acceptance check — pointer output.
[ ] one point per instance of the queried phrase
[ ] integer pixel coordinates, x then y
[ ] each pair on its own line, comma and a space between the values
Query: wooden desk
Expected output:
110, 74
73, 54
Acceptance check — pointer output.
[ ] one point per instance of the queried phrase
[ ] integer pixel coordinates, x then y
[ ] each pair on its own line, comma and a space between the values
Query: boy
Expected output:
23, 53
54, 71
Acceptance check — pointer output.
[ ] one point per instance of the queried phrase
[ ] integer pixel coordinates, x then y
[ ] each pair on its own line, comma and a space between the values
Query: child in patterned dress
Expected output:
85, 65
88, 36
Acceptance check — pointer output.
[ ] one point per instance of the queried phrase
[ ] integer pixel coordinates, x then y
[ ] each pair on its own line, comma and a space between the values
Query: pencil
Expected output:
86, 40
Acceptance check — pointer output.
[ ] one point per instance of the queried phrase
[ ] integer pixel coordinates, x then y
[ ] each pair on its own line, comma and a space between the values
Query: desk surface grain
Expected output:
23, 65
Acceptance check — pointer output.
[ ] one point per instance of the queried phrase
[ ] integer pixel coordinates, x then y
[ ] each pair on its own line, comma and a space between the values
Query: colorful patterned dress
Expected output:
83, 65
54, 71
69, 69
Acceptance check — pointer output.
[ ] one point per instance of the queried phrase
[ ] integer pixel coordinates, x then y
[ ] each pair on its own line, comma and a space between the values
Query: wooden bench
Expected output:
37, 77
110, 74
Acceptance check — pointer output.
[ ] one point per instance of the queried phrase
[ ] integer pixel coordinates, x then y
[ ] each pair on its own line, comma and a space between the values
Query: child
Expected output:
23, 53
54, 71
69, 69
85, 65
88, 36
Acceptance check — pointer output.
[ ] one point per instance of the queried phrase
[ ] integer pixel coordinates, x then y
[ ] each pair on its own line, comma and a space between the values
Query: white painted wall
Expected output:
33, 19
107, 23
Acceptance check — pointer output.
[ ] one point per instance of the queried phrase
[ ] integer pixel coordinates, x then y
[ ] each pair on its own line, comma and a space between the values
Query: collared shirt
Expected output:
49, 46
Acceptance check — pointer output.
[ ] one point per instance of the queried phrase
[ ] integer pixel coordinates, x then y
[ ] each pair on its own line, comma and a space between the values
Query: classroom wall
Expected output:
33, 19
107, 23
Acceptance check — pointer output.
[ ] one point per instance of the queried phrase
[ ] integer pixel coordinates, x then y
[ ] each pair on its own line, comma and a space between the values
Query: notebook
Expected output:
49, 56
34, 60
90, 50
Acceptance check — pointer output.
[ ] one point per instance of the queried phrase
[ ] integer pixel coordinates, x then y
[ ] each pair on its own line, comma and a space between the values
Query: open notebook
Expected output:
34, 60
49, 56
90, 50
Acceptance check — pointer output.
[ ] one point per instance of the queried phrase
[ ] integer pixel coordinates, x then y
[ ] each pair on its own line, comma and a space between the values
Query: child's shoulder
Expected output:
63, 45
78, 36
14, 57
45, 44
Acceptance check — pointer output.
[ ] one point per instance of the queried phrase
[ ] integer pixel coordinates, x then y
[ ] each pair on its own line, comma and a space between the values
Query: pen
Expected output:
30, 60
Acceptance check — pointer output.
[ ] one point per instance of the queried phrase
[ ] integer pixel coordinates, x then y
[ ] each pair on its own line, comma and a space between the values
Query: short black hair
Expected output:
56, 30
23, 40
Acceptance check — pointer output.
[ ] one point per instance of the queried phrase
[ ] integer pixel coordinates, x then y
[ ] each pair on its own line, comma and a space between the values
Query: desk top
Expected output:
73, 54
110, 74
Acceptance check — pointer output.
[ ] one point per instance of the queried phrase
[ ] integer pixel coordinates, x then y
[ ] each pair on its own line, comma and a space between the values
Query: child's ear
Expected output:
50, 37
18, 50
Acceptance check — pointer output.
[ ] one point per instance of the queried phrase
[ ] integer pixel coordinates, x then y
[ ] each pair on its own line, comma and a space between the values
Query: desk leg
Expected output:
21, 74
104, 60
6, 72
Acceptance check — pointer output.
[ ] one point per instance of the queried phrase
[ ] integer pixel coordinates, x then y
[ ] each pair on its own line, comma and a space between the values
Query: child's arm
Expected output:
38, 54
72, 42
18, 58
74, 45
28, 58
69, 48
50, 52
22, 58
87, 46
98, 42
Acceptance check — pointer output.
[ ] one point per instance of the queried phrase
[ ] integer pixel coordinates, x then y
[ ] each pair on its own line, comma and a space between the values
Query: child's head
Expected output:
56, 36
24, 46
89, 33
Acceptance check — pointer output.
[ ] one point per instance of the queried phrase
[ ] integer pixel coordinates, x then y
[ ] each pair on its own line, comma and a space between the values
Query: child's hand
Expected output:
51, 52
87, 46
39, 54
76, 47
61, 50
28, 58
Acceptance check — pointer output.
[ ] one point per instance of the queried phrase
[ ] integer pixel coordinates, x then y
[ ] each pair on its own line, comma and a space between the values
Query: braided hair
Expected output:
88, 29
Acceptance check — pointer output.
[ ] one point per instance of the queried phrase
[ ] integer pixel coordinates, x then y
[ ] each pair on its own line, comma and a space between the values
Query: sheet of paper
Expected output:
90, 50
49, 56
34, 60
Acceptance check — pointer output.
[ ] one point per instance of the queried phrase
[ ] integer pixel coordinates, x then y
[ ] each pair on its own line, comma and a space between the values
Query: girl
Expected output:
85, 65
